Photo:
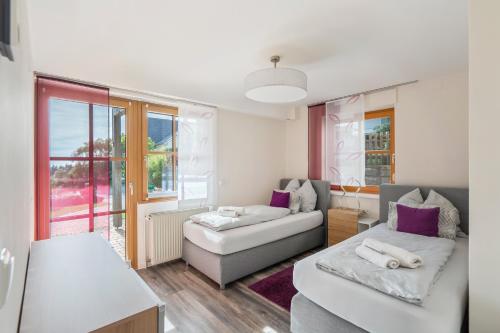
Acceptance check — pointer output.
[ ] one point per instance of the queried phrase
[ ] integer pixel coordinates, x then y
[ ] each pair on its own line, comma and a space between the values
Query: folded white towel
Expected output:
211, 220
406, 258
376, 258
227, 213
238, 210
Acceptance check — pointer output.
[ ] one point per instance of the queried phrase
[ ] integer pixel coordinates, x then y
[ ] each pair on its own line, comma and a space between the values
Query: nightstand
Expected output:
343, 223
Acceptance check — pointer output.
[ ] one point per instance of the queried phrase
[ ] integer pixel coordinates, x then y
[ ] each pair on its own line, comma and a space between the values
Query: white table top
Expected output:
79, 284
368, 220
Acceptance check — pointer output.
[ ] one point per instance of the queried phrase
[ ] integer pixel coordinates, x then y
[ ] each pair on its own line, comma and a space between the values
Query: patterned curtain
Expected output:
197, 185
345, 142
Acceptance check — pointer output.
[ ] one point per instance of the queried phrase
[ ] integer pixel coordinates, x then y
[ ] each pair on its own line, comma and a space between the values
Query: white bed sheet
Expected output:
243, 238
442, 310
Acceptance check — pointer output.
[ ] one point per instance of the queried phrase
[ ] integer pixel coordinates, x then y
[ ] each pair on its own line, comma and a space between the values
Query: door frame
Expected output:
132, 171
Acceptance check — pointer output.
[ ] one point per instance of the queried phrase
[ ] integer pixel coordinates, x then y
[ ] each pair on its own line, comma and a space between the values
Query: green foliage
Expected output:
382, 128
156, 164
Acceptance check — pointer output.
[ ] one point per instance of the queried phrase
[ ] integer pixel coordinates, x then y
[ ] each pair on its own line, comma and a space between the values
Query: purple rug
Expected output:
278, 288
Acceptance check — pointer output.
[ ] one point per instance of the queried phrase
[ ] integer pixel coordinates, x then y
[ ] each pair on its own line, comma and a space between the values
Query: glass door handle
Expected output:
131, 188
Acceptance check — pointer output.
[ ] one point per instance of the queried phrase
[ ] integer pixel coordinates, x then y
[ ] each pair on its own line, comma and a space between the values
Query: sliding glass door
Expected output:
81, 163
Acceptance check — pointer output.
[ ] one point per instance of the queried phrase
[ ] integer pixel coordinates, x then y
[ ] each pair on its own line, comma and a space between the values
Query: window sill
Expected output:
353, 195
158, 199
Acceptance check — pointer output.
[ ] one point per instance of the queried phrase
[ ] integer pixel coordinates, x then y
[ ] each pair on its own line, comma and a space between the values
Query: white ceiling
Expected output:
202, 50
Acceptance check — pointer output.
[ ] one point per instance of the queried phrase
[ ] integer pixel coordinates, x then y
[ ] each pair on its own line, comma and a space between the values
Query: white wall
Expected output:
431, 135
432, 132
251, 157
296, 144
16, 167
484, 85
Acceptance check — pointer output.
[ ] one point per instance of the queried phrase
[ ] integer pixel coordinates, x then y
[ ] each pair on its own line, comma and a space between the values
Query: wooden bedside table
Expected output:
343, 223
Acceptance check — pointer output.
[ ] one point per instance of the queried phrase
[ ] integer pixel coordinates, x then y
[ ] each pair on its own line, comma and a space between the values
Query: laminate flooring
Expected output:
194, 303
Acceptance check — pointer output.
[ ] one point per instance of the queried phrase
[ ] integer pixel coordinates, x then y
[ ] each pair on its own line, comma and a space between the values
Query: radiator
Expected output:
164, 234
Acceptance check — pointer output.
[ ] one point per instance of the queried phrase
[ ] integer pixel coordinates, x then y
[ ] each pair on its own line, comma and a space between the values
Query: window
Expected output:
357, 147
80, 162
379, 161
160, 152
379, 149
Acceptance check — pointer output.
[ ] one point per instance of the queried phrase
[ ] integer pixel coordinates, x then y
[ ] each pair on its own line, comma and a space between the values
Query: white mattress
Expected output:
243, 238
442, 311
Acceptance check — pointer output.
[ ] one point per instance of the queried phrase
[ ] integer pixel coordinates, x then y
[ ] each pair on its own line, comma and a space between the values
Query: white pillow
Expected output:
411, 199
308, 197
449, 216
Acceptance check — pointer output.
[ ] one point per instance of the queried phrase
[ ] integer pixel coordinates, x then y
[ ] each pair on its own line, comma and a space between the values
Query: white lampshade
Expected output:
276, 85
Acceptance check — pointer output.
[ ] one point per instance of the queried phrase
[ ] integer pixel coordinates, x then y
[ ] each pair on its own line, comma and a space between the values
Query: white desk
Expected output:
79, 284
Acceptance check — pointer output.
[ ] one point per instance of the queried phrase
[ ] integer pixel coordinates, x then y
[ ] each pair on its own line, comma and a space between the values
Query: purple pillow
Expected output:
280, 199
420, 221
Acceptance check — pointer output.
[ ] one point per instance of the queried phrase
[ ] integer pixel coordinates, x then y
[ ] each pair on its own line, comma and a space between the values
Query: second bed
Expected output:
225, 256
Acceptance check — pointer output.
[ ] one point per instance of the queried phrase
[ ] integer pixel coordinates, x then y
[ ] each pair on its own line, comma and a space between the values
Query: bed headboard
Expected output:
459, 197
322, 189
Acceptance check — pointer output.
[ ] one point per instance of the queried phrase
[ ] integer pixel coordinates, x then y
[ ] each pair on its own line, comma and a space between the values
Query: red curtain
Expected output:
316, 138
47, 91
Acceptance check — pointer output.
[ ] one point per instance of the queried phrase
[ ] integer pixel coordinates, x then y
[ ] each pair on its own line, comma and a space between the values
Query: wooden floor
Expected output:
194, 303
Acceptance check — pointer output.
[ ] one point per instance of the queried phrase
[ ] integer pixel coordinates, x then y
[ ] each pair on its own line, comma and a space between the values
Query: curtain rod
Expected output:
364, 92
126, 92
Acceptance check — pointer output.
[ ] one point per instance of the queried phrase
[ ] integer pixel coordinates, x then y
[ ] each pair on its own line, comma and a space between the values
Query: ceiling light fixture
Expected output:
276, 85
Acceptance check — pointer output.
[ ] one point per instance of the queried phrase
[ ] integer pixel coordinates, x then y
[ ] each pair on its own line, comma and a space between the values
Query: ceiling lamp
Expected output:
276, 85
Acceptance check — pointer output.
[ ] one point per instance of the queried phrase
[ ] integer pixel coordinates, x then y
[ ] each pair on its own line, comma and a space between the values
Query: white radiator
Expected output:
164, 234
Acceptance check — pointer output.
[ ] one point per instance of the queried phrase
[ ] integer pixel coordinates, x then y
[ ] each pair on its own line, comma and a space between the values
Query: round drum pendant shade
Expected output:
276, 85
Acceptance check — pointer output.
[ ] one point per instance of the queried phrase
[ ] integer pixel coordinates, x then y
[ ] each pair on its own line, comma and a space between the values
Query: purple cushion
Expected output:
420, 221
280, 199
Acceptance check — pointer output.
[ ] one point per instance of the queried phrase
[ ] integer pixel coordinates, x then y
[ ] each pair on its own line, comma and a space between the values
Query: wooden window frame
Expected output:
167, 110
374, 189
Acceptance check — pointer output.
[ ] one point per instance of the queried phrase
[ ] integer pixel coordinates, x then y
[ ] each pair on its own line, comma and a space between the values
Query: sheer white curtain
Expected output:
197, 156
345, 141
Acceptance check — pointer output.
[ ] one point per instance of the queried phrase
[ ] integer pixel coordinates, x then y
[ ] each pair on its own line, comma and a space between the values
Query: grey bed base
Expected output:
306, 314
224, 269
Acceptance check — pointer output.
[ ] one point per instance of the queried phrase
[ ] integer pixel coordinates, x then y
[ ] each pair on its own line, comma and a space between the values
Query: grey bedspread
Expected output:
410, 285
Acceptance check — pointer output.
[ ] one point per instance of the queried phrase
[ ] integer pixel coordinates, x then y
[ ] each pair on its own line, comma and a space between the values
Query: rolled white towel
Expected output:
381, 260
406, 258
238, 210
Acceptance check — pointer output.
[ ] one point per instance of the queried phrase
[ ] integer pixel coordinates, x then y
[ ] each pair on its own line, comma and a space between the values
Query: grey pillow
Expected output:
293, 185
294, 202
411, 199
449, 216
307, 196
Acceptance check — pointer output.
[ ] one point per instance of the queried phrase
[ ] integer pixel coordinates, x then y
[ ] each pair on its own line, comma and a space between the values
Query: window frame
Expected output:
166, 110
375, 189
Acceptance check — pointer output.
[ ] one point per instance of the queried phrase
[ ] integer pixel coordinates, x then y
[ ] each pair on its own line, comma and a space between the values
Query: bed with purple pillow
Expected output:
331, 303
228, 255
